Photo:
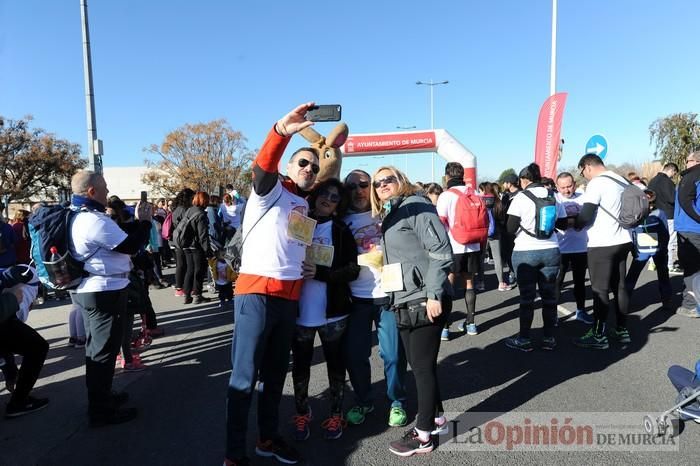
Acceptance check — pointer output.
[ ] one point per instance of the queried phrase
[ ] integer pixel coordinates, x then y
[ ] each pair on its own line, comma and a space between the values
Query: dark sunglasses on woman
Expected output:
333, 197
386, 180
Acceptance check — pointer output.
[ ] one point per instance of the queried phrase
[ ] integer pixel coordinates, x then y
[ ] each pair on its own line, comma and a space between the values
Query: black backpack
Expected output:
545, 214
634, 205
184, 232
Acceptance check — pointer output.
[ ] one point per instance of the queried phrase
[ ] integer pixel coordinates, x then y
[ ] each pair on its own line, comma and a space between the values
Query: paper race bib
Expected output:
320, 254
392, 278
301, 228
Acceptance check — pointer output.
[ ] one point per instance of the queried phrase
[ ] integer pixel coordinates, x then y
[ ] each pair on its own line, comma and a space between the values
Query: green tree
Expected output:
201, 156
505, 173
675, 136
35, 164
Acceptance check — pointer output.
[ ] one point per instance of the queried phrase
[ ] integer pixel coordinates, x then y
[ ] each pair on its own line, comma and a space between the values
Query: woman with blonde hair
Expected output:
417, 259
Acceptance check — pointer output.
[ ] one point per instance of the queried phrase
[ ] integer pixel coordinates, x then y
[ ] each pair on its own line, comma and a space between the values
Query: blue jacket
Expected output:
687, 211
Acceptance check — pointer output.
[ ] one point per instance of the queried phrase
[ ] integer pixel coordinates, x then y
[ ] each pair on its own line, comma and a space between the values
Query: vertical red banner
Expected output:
549, 134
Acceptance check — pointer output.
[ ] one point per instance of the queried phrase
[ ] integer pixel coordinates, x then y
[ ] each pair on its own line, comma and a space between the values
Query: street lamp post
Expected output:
406, 155
94, 144
432, 84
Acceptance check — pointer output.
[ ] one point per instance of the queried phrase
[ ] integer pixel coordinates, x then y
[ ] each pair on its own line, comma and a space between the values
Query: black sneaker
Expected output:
279, 449
519, 343
118, 416
199, 299
16, 409
411, 444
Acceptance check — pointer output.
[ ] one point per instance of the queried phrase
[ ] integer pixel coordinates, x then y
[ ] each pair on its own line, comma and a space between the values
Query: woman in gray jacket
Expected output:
417, 259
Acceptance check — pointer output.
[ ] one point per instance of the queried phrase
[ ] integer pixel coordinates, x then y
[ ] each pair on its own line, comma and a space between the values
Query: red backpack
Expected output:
166, 231
471, 223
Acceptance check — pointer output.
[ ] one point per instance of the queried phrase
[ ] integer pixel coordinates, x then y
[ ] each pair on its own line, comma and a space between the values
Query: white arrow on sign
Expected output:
595, 150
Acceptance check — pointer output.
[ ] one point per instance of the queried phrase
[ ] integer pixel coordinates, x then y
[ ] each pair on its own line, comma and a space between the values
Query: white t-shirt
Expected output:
367, 231
446, 207
571, 240
94, 235
314, 299
523, 207
606, 231
269, 251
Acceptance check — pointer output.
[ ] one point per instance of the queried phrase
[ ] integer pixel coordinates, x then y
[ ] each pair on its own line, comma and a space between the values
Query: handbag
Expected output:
413, 314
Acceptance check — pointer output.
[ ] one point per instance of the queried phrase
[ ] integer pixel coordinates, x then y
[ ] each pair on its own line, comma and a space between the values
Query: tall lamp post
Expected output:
94, 144
431, 84
406, 155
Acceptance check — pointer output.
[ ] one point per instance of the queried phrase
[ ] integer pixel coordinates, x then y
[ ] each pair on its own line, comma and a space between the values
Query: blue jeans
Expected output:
537, 269
358, 348
262, 338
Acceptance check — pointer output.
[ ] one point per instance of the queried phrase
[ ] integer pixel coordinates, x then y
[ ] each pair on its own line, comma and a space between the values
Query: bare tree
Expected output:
202, 156
34, 163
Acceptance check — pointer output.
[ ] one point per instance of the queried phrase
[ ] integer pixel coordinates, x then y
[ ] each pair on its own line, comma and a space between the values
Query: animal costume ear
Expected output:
312, 136
338, 136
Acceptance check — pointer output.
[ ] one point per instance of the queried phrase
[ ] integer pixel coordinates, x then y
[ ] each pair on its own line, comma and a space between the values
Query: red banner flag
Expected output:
549, 134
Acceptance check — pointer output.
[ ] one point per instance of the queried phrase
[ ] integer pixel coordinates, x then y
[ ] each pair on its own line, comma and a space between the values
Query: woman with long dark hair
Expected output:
324, 306
181, 203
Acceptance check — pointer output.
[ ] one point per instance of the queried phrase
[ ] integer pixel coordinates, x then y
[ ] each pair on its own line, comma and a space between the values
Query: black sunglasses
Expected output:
386, 180
354, 186
333, 197
314, 167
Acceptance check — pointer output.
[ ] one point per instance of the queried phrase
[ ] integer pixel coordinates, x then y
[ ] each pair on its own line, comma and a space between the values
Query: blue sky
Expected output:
159, 64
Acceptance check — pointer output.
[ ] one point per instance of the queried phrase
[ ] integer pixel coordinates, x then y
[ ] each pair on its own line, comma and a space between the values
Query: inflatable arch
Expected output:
435, 140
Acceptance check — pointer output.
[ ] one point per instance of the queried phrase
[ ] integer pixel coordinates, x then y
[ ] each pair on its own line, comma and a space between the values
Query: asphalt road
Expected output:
182, 395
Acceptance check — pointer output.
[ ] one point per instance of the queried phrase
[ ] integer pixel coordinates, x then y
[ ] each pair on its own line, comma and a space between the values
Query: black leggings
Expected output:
422, 345
180, 268
607, 267
196, 269
16, 337
578, 261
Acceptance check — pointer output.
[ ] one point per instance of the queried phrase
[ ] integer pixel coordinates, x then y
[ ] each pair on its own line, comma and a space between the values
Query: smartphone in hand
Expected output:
324, 113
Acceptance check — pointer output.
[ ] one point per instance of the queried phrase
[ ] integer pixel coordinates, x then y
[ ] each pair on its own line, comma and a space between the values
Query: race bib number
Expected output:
372, 259
320, 254
392, 278
301, 228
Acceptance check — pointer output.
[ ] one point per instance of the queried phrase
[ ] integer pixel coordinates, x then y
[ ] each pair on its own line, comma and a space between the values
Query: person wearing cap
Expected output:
652, 232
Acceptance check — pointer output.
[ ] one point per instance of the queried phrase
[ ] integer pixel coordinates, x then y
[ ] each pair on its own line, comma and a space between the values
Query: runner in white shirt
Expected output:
536, 258
609, 244
105, 248
370, 305
466, 256
573, 246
